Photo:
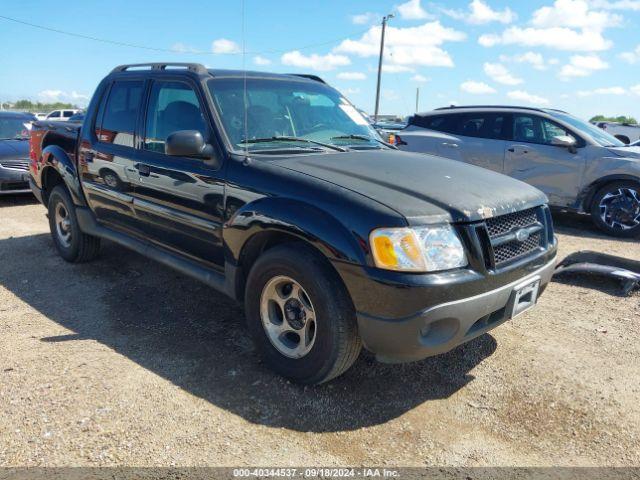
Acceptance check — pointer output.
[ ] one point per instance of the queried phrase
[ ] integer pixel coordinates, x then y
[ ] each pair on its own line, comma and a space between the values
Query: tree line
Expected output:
618, 119
29, 106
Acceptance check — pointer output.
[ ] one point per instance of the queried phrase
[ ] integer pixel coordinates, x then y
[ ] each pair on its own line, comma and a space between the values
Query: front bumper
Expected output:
13, 180
443, 327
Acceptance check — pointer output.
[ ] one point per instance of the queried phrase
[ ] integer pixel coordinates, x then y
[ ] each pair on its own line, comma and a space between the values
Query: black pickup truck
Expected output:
276, 191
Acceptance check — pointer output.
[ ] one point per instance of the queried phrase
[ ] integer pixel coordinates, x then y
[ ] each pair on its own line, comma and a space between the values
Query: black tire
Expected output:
336, 344
596, 209
78, 246
624, 139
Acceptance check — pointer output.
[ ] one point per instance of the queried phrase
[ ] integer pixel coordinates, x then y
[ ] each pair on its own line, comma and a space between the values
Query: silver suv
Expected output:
578, 165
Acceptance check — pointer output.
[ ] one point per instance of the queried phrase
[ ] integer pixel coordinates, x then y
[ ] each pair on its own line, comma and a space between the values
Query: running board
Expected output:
221, 282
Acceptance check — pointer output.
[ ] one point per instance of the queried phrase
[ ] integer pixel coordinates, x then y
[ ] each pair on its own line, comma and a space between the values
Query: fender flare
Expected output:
56, 158
588, 192
296, 218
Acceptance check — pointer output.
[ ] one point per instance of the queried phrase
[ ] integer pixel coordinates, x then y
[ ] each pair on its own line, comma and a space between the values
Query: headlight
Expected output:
418, 249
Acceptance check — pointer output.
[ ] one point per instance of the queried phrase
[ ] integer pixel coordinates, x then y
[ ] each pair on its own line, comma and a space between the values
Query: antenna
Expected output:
244, 86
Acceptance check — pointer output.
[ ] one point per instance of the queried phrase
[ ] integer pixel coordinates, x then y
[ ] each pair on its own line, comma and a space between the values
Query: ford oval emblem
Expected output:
522, 235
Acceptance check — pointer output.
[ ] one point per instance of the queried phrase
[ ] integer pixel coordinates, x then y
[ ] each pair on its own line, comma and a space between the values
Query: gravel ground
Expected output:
125, 362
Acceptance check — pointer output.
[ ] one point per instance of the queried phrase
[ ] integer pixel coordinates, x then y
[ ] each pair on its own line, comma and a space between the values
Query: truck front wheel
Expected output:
72, 244
300, 315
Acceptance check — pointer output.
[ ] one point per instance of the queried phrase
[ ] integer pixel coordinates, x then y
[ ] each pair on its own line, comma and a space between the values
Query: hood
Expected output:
628, 152
422, 188
14, 149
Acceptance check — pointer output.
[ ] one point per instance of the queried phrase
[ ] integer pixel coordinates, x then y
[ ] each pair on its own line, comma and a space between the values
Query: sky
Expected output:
582, 56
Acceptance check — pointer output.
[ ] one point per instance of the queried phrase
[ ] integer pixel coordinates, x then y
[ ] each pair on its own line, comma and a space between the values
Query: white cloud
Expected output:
259, 60
351, 76
521, 95
631, 57
222, 45
480, 13
349, 91
582, 66
476, 88
406, 47
617, 5
602, 91
365, 18
390, 68
559, 38
314, 61
574, 14
572, 25
52, 95
412, 10
536, 60
635, 89
419, 78
499, 73
183, 48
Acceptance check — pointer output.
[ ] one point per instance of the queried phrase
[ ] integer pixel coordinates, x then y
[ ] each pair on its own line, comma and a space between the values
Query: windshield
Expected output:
14, 127
287, 113
601, 137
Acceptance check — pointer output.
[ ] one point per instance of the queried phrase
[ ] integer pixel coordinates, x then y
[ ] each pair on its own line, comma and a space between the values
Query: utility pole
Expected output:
417, 98
385, 19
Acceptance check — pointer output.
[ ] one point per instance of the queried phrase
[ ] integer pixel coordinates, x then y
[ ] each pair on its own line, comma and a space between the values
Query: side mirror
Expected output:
565, 141
188, 143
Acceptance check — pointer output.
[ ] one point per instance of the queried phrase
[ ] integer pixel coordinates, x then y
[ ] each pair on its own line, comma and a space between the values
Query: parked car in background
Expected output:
578, 165
625, 132
62, 115
14, 151
78, 117
274, 189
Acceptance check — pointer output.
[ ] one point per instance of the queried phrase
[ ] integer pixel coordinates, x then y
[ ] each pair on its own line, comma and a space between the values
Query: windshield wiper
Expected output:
293, 139
354, 136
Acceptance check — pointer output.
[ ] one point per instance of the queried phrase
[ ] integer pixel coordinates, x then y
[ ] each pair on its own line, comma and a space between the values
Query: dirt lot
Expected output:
123, 361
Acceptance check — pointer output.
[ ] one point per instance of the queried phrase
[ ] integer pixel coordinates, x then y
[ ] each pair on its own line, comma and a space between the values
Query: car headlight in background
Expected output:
417, 249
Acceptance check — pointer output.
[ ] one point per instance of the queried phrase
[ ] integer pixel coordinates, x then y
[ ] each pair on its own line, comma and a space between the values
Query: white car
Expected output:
62, 115
625, 132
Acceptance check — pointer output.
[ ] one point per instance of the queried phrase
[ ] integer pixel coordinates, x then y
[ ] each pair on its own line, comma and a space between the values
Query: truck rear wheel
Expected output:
300, 315
72, 244
616, 209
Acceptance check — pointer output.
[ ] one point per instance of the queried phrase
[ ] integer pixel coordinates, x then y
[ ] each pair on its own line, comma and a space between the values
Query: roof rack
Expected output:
309, 76
193, 67
537, 109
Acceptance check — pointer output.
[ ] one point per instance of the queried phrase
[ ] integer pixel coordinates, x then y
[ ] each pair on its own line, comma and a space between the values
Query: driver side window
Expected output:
173, 106
534, 129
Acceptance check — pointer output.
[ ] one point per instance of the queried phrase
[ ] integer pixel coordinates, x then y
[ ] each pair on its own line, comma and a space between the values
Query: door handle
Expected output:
512, 150
143, 169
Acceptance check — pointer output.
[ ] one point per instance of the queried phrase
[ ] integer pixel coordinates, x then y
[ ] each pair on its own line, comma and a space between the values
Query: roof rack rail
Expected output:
193, 67
309, 76
538, 109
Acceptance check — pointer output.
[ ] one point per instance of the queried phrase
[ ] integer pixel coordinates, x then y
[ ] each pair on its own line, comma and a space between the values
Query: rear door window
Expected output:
482, 124
439, 123
121, 113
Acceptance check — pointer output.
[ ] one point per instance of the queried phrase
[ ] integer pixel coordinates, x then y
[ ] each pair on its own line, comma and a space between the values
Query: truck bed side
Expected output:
53, 148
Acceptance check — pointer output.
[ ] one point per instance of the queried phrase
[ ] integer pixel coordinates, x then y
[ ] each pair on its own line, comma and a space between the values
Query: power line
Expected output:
170, 50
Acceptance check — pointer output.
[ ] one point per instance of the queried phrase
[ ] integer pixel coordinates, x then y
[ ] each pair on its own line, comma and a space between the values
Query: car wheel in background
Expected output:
300, 315
72, 244
615, 209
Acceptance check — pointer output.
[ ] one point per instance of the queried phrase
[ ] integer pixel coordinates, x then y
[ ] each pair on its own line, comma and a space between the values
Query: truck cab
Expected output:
276, 191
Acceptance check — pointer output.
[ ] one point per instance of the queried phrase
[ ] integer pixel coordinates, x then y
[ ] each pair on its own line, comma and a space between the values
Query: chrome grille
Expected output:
504, 244
509, 251
15, 164
505, 223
